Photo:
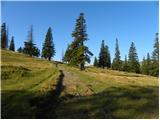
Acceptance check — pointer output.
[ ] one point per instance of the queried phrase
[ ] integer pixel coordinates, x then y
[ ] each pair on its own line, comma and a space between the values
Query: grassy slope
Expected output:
108, 94
23, 78
94, 93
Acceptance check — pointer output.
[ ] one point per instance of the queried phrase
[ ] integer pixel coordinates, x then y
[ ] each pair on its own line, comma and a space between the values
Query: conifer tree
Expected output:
95, 62
29, 47
48, 50
155, 54
133, 59
67, 55
104, 56
155, 58
20, 50
125, 65
108, 63
77, 53
4, 36
143, 66
146, 65
12, 46
117, 63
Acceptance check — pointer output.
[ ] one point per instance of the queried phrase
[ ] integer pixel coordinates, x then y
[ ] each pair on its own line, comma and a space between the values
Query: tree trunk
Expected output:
82, 67
49, 58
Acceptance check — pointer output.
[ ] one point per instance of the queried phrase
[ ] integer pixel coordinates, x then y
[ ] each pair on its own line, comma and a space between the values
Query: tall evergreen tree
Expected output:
77, 53
20, 50
4, 36
117, 63
48, 50
108, 63
29, 47
12, 46
146, 65
155, 54
125, 65
67, 55
133, 59
155, 58
95, 62
104, 56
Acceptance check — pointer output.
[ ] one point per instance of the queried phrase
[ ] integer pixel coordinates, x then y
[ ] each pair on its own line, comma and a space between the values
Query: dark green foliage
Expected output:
155, 54
20, 50
4, 36
29, 47
12, 46
150, 66
146, 65
108, 63
117, 63
155, 58
77, 53
67, 54
133, 59
104, 56
125, 65
95, 62
48, 50
143, 66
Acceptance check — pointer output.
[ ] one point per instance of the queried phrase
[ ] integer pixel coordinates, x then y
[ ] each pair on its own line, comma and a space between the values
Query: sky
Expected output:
127, 21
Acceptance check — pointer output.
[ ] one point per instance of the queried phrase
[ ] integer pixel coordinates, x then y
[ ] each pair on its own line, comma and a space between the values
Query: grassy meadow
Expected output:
36, 88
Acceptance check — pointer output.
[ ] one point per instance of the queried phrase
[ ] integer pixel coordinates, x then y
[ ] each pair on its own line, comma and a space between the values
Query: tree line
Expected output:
149, 65
78, 54
48, 49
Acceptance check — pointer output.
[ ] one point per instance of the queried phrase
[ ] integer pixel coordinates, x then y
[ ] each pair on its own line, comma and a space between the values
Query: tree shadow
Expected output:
25, 104
111, 103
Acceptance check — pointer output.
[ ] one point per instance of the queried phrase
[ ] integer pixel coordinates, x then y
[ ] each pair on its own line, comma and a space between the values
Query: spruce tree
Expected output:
104, 56
95, 62
146, 65
4, 36
143, 66
77, 53
29, 47
48, 50
108, 63
155, 54
125, 65
20, 50
12, 46
67, 55
117, 63
133, 59
155, 58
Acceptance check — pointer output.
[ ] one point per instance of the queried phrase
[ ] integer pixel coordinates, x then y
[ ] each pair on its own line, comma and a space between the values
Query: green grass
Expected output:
35, 88
23, 78
110, 94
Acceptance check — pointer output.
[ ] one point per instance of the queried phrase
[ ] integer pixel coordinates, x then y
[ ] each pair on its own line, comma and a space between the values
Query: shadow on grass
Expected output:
114, 102
24, 104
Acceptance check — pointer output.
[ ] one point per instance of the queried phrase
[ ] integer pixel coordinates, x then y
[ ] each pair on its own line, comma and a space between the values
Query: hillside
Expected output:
36, 88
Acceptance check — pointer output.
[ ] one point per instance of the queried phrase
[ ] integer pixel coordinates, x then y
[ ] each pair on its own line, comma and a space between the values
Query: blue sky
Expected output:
127, 21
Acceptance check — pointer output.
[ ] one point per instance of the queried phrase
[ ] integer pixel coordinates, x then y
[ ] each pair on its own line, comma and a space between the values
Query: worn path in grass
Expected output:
98, 93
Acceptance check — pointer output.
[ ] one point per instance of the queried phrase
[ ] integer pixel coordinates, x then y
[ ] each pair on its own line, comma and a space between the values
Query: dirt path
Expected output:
74, 86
